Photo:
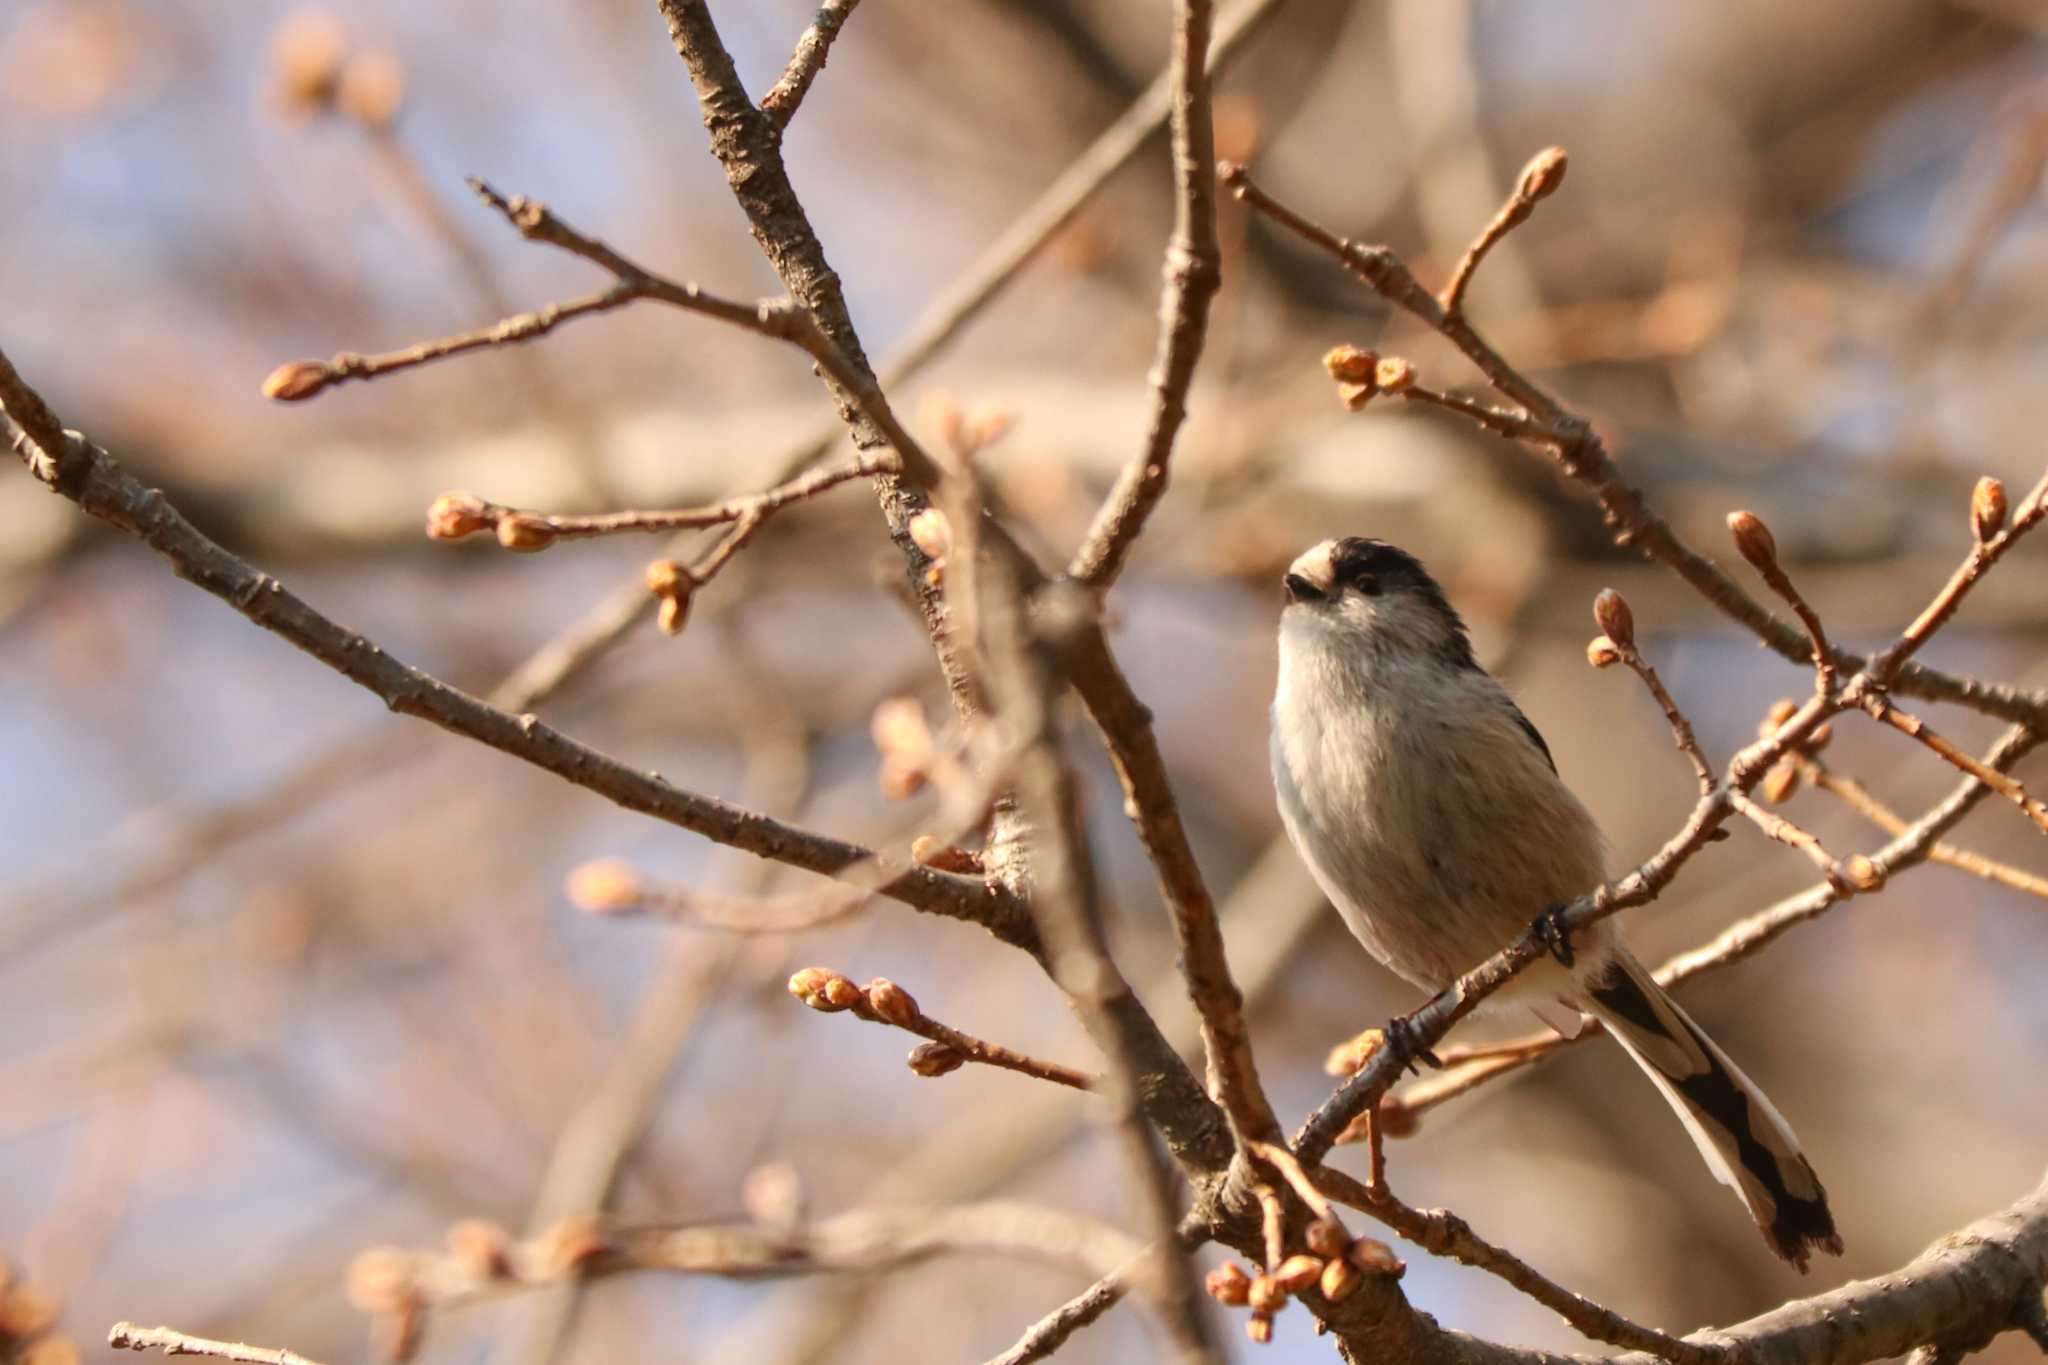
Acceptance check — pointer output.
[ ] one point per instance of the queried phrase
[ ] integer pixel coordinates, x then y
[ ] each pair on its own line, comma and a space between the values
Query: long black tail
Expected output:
1744, 1139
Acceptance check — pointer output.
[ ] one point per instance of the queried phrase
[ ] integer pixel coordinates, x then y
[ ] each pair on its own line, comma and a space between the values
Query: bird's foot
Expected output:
1549, 927
1407, 1047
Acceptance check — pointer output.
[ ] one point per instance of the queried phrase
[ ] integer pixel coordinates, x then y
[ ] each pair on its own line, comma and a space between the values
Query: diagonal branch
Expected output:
105, 490
1582, 456
783, 97
1193, 272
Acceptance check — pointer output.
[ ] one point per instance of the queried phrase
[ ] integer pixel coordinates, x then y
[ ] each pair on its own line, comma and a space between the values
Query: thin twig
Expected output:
113, 495
1539, 179
884, 1002
783, 97
126, 1336
1193, 273
1906, 723
1443, 1233
1050, 1332
1784, 831
1864, 802
479, 514
1581, 455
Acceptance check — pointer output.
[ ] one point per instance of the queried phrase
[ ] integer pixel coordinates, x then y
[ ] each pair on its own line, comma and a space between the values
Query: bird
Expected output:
1431, 813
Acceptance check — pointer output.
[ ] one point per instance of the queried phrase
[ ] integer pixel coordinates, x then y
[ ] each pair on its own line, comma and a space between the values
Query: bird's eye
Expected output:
1367, 584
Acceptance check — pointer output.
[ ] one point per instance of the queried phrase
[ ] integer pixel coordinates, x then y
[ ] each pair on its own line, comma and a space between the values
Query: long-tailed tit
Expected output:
1432, 815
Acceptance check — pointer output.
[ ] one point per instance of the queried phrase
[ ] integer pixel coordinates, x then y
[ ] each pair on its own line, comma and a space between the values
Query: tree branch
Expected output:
108, 492
1193, 272
783, 97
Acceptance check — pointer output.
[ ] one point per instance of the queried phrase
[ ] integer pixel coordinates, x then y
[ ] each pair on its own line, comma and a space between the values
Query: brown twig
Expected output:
1193, 273
456, 515
1760, 548
1538, 181
126, 1336
783, 97
1906, 723
1126, 726
1786, 832
1050, 1332
866, 1239
1864, 802
885, 1002
110, 493
1443, 1233
1582, 456
610, 887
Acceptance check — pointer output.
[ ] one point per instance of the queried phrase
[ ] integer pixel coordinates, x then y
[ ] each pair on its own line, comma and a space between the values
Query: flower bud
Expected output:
1394, 375
380, 1280
1818, 740
1354, 397
1782, 710
455, 515
824, 990
1781, 782
1228, 1284
1340, 1278
1602, 652
773, 1196
1327, 1238
936, 1059
1862, 873
1350, 364
1376, 1258
524, 532
931, 533
1755, 540
665, 578
606, 886
1987, 508
1542, 176
1259, 1327
1266, 1295
296, 380
1297, 1273
478, 1246
1349, 1057
673, 613
1610, 610
371, 90
892, 1002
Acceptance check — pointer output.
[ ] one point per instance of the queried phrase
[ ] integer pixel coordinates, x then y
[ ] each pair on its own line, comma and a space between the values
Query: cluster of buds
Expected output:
1336, 1268
672, 585
27, 1313
1617, 639
607, 886
1362, 375
314, 73
825, 990
906, 744
1781, 783
452, 516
